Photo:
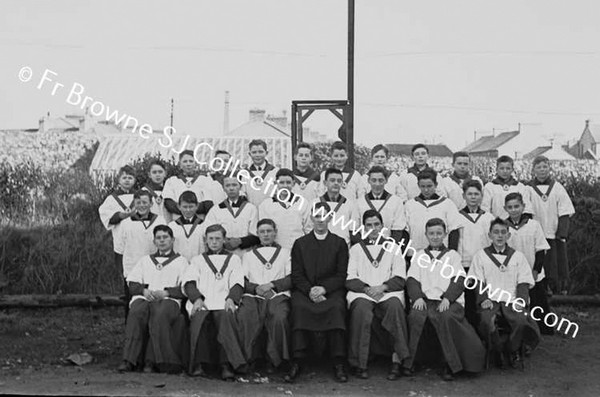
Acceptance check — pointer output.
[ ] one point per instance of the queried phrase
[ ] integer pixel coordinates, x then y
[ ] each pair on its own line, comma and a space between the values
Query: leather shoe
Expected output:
291, 376
198, 372
227, 373
447, 374
516, 360
340, 373
361, 373
395, 372
126, 366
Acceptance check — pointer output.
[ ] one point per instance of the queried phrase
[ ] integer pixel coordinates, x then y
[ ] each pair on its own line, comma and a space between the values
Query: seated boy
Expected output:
435, 286
265, 305
189, 228
213, 283
155, 329
527, 236
375, 285
504, 279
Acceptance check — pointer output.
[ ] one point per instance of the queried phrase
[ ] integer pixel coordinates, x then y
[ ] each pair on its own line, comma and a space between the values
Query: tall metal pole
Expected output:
171, 114
350, 110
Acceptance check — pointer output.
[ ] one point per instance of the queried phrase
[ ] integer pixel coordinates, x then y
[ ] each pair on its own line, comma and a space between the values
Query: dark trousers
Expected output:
303, 339
556, 265
118, 260
538, 297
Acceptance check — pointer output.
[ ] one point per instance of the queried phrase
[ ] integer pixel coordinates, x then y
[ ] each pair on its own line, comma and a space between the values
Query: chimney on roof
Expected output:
226, 114
587, 123
41, 126
280, 121
257, 114
82, 124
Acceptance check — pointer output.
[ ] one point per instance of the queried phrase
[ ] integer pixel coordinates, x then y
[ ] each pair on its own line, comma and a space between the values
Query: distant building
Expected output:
510, 143
402, 149
587, 145
552, 152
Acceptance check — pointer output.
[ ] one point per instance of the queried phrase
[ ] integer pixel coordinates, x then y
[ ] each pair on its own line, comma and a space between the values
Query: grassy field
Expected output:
34, 345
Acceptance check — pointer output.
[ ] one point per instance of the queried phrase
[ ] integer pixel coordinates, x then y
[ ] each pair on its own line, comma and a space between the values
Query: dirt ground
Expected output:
34, 345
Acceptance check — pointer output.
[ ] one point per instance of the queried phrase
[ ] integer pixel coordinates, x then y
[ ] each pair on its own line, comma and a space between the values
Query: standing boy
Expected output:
155, 328
553, 208
188, 228
353, 185
435, 286
495, 191
261, 169
452, 186
375, 284
307, 179
409, 181
379, 157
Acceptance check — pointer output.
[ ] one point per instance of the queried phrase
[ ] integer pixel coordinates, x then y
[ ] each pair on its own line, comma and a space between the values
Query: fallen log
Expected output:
83, 300
54, 301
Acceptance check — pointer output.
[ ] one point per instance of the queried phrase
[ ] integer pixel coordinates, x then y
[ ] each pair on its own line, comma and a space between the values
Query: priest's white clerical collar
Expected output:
321, 236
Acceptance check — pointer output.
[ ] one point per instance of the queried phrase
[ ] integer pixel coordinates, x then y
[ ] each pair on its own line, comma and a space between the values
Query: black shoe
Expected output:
198, 372
291, 376
270, 368
395, 372
447, 375
360, 373
227, 373
126, 366
408, 372
516, 360
340, 373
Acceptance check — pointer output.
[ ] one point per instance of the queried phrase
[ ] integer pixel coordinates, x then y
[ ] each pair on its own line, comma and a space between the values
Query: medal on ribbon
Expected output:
544, 197
303, 186
268, 264
505, 187
218, 273
159, 200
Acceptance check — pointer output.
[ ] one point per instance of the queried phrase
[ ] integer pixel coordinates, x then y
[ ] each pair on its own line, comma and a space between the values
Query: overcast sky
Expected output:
425, 70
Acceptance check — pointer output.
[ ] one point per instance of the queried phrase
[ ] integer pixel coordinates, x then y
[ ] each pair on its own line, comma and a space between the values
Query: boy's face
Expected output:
514, 208
435, 235
499, 235
504, 170
188, 209
126, 181
333, 183
377, 181
303, 157
285, 182
373, 223
379, 158
427, 187
142, 205
420, 156
473, 197
320, 219
163, 241
187, 164
266, 234
461, 165
157, 174
542, 171
339, 158
215, 240
232, 187
257, 154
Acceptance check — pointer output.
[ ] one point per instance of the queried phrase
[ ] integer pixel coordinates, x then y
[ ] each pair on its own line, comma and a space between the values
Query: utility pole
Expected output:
171, 114
350, 111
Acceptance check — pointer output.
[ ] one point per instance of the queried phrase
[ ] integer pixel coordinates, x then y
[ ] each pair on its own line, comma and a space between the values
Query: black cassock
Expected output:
319, 263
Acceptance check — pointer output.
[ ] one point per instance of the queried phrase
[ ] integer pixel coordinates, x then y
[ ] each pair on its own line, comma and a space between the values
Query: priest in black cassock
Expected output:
319, 266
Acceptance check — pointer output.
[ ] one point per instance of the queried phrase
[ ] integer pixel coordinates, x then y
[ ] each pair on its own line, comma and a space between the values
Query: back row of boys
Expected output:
406, 203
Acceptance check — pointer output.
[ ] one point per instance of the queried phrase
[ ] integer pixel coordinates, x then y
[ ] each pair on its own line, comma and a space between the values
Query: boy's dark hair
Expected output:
513, 196
266, 221
188, 197
435, 222
257, 142
284, 172
371, 213
459, 154
126, 170
540, 159
321, 204
427, 174
505, 159
221, 151
162, 228
157, 162
216, 228
332, 170
186, 152
338, 145
304, 145
419, 146
498, 221
378, 148
377, 169
142, 192
472, 183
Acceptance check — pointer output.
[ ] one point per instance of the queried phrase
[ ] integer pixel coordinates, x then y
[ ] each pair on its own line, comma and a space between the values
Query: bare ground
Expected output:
34, 345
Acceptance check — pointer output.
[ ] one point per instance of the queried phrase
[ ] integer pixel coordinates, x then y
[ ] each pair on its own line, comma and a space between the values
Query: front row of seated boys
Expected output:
238, 310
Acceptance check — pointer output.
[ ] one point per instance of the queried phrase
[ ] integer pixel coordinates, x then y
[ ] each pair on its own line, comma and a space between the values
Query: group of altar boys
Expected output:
267, 280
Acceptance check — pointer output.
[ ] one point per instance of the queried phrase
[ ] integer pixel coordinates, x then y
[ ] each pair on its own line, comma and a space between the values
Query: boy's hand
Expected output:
535, 275
159, 294
148, 295
229, 305
233, 243
444, 305
262, 289
198, 305
487, 304
420, 304
377, 292
316, 292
